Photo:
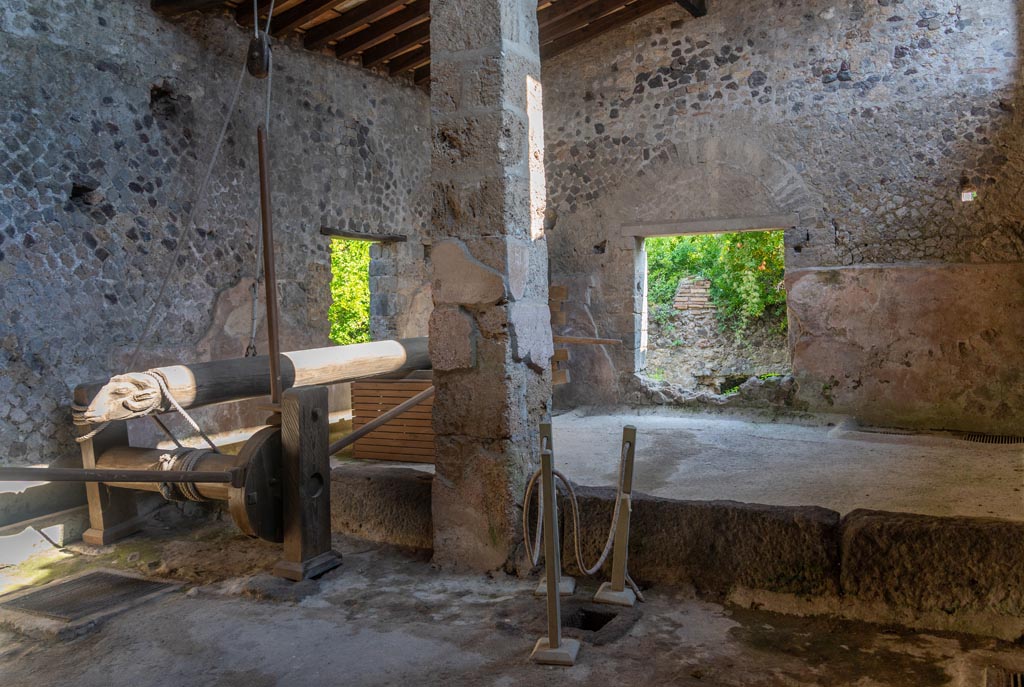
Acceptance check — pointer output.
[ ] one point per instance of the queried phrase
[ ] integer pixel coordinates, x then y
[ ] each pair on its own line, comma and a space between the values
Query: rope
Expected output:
185, 235
183, 459
148, 328
153, 406
250, 350
534, 550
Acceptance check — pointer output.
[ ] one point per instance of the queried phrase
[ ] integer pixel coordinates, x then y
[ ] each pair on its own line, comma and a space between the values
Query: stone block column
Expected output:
490, 333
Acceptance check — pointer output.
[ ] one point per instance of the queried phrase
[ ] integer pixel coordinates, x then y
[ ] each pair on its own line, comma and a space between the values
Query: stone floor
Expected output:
707, 457
388, 617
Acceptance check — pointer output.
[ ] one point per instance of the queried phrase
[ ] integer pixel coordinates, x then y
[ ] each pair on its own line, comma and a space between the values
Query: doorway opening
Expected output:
716, 308
349, 314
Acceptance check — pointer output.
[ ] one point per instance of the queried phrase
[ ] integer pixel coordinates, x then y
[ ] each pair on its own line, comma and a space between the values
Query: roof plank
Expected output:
414, 59
600, 25
351, 21
303, 13
387, 27
396, 45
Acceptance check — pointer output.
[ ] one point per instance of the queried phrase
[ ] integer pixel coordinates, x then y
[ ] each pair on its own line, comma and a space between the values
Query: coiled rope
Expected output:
534, 549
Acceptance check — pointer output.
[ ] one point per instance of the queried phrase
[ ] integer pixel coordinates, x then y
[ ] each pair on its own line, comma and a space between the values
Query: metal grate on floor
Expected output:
1000, 677
85, 595
980, 438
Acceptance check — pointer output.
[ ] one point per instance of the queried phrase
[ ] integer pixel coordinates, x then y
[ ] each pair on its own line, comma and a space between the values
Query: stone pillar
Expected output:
490, 332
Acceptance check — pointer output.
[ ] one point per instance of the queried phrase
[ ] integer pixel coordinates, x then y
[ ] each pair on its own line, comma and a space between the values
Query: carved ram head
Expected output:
122, 398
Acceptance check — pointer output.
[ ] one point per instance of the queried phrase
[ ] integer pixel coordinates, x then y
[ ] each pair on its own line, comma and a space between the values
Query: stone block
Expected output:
382, 504
455, 349
530, 329
461, 279
952, 566
717, 546
475, 501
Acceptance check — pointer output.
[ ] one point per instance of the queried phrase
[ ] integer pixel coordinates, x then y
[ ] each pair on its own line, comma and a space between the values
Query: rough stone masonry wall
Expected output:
108, 114
690, 349
748, 112
490, 331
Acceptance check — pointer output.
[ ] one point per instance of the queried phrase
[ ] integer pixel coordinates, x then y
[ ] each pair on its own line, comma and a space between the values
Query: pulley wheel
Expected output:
258, 507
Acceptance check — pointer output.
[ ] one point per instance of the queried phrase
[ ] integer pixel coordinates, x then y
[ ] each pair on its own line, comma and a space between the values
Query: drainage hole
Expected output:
588, 620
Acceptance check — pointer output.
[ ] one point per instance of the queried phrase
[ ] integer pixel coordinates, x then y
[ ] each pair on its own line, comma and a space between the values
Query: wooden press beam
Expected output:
363, 236
602, 25
397, 45
387, 27
172, 8
220, 381
303, 13
698, 8
351, 21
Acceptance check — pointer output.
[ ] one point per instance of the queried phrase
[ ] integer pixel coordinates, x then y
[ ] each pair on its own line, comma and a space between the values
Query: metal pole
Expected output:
269, 274
378, 421
112, 475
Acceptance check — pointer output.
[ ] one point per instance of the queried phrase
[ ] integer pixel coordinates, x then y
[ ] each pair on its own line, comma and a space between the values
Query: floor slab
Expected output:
710, 457
388, 617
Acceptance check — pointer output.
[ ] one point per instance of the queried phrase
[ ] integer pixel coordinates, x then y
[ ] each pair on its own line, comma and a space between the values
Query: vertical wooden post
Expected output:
552, 650
566, 583
306, 481
112, 512
615, 592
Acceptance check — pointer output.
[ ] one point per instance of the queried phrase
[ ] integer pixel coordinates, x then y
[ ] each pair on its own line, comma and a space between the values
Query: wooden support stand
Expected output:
306, 481
553, 649
616, 592
112, 512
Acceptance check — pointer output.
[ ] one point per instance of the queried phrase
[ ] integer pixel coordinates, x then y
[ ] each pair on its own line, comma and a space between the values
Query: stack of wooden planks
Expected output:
409, 437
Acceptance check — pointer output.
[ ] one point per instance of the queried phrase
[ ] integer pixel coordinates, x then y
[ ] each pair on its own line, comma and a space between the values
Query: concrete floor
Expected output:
387, 617
711, 457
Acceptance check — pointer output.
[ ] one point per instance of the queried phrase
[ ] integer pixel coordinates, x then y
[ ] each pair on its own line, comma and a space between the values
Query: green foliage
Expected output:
746, 272
349, 315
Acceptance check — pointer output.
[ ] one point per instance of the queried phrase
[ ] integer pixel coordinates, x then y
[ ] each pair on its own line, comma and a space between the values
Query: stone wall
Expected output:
689, 349
932, 346
747, 112
693, 294
108, 114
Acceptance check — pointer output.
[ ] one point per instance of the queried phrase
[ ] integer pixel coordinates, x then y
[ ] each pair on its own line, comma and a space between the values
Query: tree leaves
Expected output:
349, 314
746, 271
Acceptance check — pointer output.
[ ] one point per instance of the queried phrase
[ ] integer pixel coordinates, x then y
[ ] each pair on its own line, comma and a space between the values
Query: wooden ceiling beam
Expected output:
601, 25
244, 14
422, 75
560, 10
172, 8
387, 27
351, 21
414, 59
397, 45
303, 13
578, 20
697, 8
